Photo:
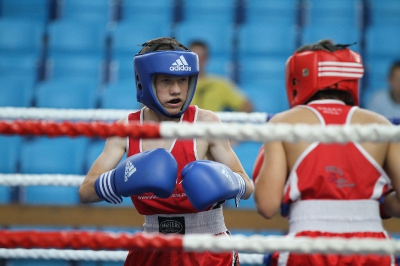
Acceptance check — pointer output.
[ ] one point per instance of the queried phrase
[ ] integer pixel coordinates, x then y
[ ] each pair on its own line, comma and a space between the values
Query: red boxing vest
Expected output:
184, 151
335, 171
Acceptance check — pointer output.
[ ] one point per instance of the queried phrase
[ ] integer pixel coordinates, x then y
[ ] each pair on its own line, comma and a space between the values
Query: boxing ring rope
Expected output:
21, 244
108, 114
259, 244
236, 131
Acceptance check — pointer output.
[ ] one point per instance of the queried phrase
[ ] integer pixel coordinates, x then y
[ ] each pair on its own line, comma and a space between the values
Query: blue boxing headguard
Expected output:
169, 62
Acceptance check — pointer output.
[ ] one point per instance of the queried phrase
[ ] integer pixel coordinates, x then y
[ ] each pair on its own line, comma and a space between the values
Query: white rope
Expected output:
267, 244
40, 180
65, 254
281, 132
107, 114
256, 244
91, 255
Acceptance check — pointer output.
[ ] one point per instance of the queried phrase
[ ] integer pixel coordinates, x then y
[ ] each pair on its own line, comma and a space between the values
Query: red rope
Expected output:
88, 240
89, 129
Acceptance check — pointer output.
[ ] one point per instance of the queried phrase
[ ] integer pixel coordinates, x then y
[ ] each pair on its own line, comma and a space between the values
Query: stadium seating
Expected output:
257, 69
35, 10
61, 155
20, 46
120, 95
266, 39
16, 91
335, 29
99, 11
383, 41
267, 96
157, 12
127, 38
10, 150
79, 93
220, 13
218, 37
20, 36
76, 48
283, 13
385, 12
335, 20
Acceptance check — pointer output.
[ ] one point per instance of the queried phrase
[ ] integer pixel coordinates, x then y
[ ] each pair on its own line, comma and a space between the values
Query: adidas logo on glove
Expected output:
180, 65
226, 173
129, 170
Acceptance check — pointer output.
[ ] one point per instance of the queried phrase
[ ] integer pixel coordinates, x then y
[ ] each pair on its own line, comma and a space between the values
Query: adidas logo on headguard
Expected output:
180, 65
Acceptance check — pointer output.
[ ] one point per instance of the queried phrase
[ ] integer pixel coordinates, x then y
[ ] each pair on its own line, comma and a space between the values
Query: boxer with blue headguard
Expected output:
167, 178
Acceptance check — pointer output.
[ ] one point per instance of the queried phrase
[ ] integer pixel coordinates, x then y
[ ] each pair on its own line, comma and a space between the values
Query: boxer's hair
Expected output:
162, 44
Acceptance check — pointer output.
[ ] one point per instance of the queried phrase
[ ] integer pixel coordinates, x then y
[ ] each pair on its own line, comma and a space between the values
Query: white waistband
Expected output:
207, 222
336, 216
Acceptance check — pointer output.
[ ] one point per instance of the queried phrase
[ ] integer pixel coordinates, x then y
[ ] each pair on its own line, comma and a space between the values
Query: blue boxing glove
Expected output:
150, 171
208, 182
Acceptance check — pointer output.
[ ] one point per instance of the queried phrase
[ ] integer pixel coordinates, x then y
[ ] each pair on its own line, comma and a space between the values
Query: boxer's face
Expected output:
171, 92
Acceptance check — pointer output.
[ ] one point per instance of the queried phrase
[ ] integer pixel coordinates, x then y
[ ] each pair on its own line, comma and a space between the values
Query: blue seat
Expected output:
385, 12
18, 65
279, 12
120, 95
23, 37
158, 12
76, 36
67, 93
218, 37
247, 152
216, 12
10, 150
268, 96
76, 43
333, 8
60, 155
266, 39
128, 36
16, 91
96, 10
77, 66
219, 65
383, 40
37, 10
378, 70
257, 69
339, 30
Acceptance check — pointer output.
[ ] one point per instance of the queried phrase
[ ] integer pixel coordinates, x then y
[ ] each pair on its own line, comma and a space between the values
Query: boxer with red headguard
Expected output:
328, 189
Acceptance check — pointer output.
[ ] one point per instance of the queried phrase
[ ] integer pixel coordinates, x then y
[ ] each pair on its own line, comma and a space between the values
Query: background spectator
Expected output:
387, 101
216, 93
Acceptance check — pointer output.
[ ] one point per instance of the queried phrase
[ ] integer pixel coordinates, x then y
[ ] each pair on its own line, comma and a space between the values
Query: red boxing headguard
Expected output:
310, 71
